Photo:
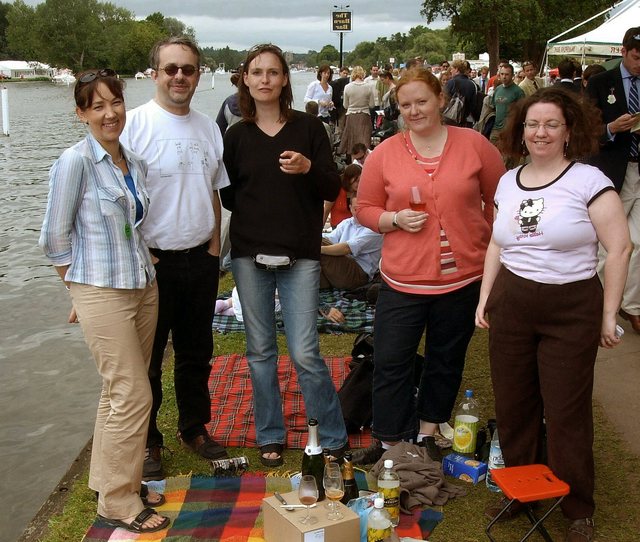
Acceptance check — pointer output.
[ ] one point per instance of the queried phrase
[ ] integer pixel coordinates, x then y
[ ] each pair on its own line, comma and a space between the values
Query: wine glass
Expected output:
415, 201
333, 489
308, 495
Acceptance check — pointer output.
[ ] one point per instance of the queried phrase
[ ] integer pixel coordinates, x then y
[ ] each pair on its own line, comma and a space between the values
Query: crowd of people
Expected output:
526, 225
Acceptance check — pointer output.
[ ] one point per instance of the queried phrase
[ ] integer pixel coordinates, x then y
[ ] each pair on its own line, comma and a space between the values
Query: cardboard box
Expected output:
464, 468
283, 526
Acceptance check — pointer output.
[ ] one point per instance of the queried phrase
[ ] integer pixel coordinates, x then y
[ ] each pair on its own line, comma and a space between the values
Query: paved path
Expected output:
617, 386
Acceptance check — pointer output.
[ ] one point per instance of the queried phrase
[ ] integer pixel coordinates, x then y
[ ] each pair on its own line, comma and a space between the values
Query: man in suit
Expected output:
616, 92
483, 80
338, 112
566, 71
531, 83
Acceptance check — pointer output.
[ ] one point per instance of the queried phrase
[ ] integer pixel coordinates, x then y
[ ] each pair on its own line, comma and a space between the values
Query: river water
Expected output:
49, 384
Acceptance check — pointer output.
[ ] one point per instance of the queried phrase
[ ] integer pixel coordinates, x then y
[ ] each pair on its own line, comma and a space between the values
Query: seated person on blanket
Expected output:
349, 254
231, 306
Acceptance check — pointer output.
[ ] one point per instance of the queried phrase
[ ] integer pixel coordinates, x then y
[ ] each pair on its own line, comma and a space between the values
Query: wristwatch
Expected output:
394, 222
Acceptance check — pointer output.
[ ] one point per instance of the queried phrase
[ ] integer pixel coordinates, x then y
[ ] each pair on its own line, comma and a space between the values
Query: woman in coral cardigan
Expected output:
432, 260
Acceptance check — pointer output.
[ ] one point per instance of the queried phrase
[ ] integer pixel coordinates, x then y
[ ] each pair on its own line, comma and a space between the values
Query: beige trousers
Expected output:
630, 197
119, 326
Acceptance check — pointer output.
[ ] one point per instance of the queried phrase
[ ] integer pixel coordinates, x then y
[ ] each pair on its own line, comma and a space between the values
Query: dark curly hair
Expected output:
583, 120
245, 100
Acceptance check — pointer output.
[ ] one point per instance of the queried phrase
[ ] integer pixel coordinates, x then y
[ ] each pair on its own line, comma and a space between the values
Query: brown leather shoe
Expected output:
514, 510
581, 530
633, 319
204, 446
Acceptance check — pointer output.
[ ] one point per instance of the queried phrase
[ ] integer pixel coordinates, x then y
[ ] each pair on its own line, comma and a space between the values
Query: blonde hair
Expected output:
357, 73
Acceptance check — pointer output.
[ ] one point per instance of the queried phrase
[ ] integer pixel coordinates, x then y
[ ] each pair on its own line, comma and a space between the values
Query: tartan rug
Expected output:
232, 422
208, 509
358, 315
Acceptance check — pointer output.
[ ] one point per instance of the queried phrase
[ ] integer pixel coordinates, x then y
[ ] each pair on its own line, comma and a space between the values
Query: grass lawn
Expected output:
617, 470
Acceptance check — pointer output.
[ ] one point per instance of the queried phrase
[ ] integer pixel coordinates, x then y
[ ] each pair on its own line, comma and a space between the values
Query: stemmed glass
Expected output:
333, 489
308, 495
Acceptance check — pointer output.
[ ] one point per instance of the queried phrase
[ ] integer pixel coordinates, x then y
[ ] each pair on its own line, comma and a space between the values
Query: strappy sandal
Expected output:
274, 447
137, 525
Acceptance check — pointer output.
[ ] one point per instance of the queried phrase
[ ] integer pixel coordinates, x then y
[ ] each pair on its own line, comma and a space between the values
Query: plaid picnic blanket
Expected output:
358, 315
232, 422
209, 509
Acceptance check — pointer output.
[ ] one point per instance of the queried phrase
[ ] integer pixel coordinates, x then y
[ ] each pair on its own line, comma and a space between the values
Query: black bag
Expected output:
392, 111
355, 394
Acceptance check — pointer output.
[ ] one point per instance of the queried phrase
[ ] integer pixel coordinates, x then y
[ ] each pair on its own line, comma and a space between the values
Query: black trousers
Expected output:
187, 284
543, 342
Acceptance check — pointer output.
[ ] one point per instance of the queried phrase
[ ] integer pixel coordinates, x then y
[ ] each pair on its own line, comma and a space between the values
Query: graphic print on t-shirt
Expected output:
529, 214
177, 156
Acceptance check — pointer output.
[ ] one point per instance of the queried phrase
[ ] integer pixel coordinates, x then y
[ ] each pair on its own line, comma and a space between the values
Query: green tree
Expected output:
135, 40
328, 55
22, 39
515, 29
4, 23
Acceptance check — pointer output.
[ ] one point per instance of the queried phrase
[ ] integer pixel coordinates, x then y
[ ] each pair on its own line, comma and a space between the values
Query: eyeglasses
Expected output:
96, 74
548, 126
265, 47
172, 69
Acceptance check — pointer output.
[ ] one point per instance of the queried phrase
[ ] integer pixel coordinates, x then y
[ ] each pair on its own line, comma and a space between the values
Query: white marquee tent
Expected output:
606, 40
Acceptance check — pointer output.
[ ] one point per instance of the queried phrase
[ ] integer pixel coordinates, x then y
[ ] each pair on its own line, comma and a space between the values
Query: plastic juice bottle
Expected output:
465, 428
378, 523
389, 487
495, 462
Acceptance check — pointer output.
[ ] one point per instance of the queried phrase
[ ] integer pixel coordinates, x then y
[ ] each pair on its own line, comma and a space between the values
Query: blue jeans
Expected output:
399, 324
298, 292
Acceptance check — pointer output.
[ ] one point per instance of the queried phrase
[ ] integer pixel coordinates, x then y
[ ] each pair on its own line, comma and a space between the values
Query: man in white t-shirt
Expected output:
183, 148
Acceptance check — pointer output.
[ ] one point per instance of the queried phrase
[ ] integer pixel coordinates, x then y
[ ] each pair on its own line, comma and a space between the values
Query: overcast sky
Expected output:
294, 25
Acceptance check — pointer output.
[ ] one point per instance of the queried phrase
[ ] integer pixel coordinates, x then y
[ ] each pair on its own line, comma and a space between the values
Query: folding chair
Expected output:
528, 484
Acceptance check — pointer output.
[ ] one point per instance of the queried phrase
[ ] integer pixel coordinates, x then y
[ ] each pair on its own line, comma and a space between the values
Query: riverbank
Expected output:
617, 453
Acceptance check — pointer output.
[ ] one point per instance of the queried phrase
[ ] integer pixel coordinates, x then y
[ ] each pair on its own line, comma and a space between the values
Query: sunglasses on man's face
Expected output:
90, 76
172, 69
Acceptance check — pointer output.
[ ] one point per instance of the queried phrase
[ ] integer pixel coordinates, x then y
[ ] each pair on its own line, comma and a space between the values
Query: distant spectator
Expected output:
349, 255
338, 210
531, 83
358, 99
229, 112
566, 69
590, 70
322, 92
338, 112
359, 153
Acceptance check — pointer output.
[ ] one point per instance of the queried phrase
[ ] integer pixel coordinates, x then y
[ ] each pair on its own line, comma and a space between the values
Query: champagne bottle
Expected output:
313, 460
350, 485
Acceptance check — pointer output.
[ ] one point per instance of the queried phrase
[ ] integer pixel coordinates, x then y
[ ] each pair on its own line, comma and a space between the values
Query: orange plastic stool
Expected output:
528, 484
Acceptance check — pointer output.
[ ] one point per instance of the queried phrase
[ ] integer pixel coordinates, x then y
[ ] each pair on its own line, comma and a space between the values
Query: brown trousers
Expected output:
119, 326
341, 272
543, 342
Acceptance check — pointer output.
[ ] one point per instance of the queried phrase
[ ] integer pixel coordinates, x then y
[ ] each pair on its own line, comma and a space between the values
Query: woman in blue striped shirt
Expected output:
97, 200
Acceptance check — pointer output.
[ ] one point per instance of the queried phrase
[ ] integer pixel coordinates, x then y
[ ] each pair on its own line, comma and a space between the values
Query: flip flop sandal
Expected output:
274, 447
137, 525
144, 497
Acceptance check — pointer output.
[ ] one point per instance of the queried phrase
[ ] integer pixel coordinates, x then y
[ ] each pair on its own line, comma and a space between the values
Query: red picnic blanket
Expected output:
232, 421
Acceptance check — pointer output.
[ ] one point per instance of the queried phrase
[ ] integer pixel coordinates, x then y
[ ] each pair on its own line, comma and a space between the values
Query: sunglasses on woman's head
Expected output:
90, 76
172, 69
